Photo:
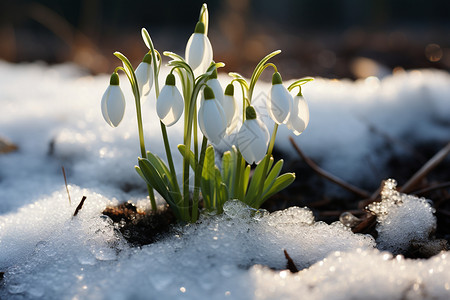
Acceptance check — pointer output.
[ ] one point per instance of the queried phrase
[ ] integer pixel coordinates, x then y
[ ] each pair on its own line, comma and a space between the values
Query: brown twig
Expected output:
329, 176
432, 188
290, 263
374, 197
336, 213
426, 168
366, 225
80, 206
65, 182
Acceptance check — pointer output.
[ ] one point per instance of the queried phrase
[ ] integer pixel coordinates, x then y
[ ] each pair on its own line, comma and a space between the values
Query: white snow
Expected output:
402, 219
53, 114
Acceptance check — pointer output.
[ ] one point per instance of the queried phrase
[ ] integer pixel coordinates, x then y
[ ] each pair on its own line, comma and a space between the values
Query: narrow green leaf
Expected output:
182, 150
256, 180
272, 175
162, 168
153, 178
282, 182
208, 178
246, 179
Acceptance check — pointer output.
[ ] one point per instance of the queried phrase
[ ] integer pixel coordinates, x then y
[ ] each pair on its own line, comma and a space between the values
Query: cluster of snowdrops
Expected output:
219, 116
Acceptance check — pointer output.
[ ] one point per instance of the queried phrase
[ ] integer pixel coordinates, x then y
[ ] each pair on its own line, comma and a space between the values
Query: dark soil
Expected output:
141, 227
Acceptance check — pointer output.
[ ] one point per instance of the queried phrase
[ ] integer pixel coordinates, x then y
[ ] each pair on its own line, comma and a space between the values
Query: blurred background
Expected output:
329, 38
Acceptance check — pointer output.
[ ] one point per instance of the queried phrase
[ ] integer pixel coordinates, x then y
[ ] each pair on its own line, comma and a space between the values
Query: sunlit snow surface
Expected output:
53, 115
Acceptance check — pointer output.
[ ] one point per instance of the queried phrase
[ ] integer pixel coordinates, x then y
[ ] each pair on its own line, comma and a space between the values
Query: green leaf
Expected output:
192, 161
229, 170
152, 177
257, 179
246, 179
208, 178
280, 183
162, 169
272, 175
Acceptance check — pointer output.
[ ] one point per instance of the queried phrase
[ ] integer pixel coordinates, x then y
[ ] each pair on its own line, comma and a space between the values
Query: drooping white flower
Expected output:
144, 75
230, 108
299, 118
279, 103
113, 102
253, 138
214, 84
199, 53
169, 104
211, 117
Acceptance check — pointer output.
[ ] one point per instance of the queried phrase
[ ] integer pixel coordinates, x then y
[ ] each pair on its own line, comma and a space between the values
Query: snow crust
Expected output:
53, 114
402, 219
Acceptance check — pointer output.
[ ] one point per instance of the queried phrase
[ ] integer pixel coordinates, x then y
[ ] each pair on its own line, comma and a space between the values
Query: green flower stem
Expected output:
156, 67
266, 163
133, 81
257, 72
299, 83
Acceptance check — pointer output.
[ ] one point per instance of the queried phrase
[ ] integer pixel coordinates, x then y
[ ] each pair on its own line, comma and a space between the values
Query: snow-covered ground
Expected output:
53, 115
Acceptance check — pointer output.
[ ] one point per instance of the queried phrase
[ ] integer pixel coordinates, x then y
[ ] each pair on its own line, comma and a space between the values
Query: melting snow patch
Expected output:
402, 219
359, 274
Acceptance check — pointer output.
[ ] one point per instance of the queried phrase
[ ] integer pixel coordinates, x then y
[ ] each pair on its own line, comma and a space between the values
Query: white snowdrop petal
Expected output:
199, 53
303, 110
115, 105
212, 121
195, 49
169, 105
279, 103
299, 118
104, 105
214, 84
144, 76
252, 140
229, 107
207, 57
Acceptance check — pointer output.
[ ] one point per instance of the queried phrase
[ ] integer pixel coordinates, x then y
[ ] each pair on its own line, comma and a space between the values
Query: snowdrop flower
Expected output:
169, 104
113, 102
199, 53
253, 137
211, 117
299, 118
214, 84
144, 75
280, 101
230, 108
